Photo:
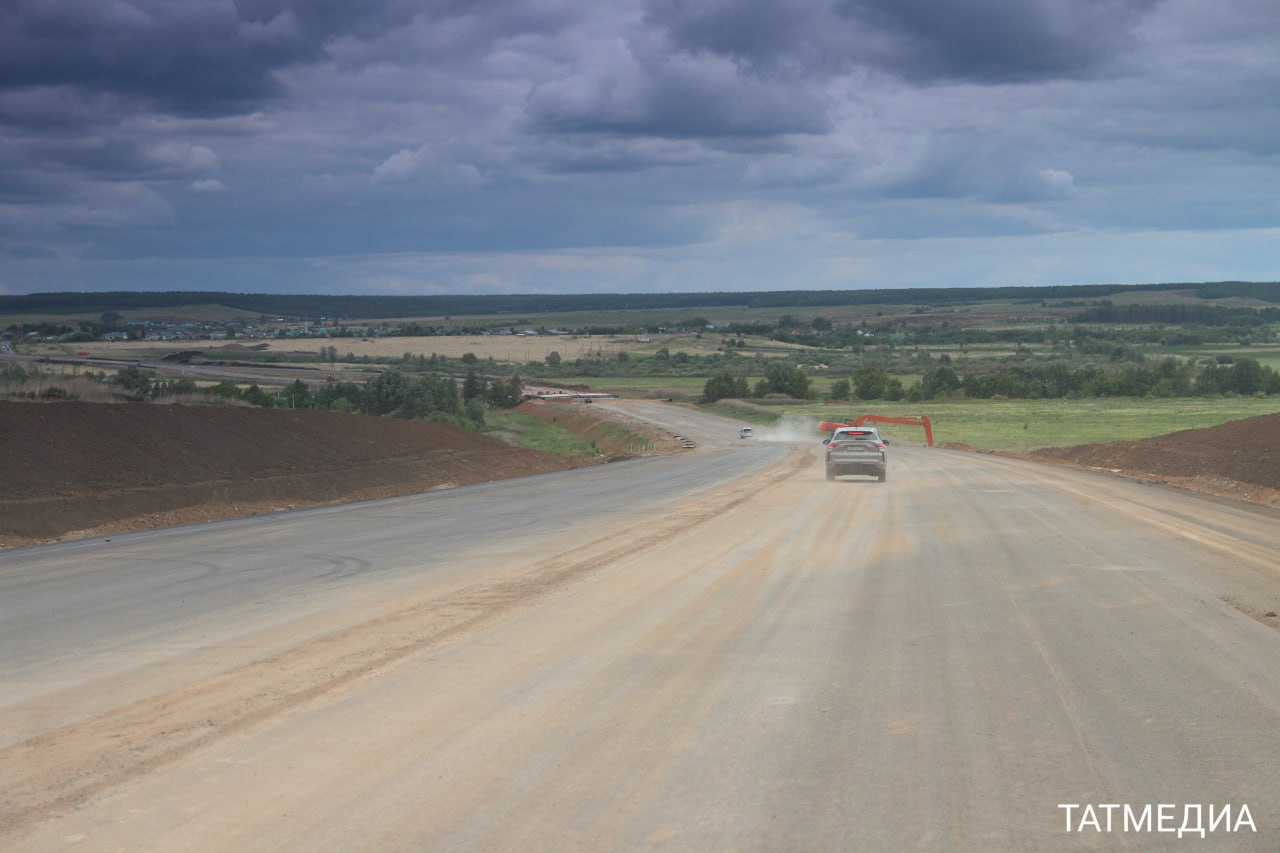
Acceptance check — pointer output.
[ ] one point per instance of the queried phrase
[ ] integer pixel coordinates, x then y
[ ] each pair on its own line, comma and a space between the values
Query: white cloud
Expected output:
425, 164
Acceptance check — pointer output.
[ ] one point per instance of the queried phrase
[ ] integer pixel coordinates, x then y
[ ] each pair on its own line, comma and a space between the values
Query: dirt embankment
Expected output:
1240, 459
74, 469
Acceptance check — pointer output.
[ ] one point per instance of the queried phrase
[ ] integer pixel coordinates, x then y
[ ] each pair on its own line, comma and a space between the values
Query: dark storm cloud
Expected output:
186, 57
1003, 40
675, 97
983, 40
643, 82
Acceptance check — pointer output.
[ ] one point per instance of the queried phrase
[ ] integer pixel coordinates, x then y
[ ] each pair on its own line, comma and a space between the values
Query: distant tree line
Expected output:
1169, 378
391, 393
315, 305
779, 378
1167, 325
397, 394
1178, 315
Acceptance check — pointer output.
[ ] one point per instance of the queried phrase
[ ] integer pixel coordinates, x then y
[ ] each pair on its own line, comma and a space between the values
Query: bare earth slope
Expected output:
1240, 459
79, 468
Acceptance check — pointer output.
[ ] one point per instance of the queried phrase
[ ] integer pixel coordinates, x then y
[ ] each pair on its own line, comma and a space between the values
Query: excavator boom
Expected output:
920, 420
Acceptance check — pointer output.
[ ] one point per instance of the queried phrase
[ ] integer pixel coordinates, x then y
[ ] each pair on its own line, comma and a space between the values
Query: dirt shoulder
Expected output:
78, 469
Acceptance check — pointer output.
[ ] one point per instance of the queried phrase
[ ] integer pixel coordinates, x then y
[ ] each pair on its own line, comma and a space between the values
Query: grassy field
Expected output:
521, 430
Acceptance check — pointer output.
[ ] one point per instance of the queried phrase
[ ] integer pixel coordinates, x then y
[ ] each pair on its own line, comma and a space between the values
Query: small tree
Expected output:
786, 379
870, 383
255, 395
298, 395
497, 395
136, 383
472, 386
725, 386
939, 383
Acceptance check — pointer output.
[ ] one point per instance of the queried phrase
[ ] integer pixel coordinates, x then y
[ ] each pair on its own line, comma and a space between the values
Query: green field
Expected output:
520, 430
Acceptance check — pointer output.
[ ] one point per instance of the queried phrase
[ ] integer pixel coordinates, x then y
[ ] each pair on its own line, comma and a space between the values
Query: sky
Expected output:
578, 146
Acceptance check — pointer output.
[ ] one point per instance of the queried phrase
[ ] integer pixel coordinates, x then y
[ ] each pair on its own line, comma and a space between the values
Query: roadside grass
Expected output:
608, 434
1020, 426
50, 386
521, 430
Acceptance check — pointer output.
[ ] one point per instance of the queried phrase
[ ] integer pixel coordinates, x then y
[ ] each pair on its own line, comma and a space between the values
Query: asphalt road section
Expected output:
708, 652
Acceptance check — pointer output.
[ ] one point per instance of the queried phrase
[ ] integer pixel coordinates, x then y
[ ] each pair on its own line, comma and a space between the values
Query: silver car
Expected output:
856, 450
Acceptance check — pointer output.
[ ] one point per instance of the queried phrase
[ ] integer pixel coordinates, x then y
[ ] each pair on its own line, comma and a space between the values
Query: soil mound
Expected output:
78, 468
1237, 459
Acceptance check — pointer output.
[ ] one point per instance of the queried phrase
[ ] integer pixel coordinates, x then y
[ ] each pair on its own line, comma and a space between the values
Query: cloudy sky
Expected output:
495, 146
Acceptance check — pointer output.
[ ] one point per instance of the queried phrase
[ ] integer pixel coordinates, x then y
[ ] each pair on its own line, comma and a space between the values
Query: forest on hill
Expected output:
364, 307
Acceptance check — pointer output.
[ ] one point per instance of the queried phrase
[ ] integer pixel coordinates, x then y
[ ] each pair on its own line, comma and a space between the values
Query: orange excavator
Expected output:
921, 420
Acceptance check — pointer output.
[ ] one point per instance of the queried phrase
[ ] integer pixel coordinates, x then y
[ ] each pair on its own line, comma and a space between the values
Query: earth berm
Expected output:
76, 469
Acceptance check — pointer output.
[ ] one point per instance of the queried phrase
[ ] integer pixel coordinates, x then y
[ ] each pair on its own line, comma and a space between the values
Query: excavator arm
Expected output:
920, 420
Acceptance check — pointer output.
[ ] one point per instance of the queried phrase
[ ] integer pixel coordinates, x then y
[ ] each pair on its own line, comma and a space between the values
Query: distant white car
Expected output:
745, 432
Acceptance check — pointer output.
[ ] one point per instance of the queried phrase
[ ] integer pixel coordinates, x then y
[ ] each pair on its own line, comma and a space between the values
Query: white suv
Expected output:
856, 450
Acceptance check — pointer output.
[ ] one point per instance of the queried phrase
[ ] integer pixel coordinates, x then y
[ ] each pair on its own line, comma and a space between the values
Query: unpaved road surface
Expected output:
718, 651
